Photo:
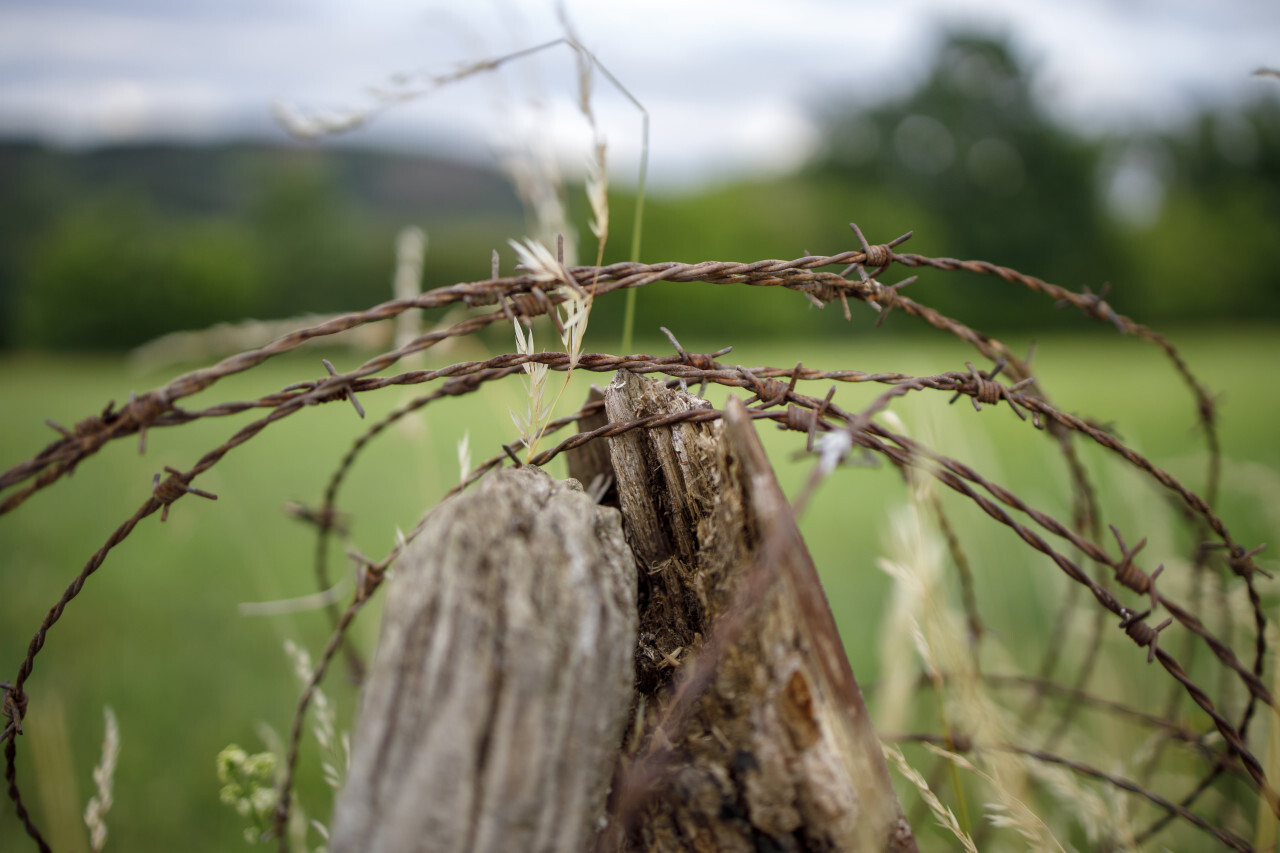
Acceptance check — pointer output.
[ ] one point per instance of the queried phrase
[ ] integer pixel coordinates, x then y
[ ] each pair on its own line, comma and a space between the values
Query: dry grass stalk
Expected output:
95, 813
941, 813
1008, 810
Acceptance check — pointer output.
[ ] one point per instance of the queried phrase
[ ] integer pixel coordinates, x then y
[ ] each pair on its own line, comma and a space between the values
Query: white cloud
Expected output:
729, 83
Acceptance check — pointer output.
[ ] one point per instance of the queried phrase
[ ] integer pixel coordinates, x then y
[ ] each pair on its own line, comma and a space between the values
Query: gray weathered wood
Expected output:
493, 712
779, 751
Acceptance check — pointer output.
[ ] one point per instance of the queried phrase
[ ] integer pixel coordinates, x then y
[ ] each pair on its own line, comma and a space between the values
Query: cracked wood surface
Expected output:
779, 753
492, 713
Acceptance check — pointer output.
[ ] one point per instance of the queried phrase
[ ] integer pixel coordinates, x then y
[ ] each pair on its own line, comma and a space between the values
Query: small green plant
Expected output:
248, 786
250, 782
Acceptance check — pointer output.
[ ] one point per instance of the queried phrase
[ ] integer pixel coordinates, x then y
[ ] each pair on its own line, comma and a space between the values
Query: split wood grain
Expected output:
495, 704
779, 752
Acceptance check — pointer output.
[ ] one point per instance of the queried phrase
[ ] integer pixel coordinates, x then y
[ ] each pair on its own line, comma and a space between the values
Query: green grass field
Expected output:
156, 634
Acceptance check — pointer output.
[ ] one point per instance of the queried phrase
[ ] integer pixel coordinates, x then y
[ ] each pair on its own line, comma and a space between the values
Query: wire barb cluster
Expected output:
174, 486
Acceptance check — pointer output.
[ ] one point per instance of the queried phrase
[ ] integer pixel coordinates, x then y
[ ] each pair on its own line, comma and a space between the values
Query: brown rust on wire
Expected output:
531, 300
1095, 306
960, 383
173, 487
799, 275
740, 377
1132, 577
771, 387
967, 583
280, 816
1132, 623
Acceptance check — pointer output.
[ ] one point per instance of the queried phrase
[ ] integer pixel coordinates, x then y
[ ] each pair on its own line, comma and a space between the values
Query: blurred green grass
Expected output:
156, 635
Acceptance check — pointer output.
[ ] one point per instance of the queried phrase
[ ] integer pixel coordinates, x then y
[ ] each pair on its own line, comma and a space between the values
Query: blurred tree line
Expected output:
109, 248
1183, 223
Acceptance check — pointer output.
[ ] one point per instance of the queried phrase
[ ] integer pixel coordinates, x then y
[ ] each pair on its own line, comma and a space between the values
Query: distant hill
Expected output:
165, 236
222, 179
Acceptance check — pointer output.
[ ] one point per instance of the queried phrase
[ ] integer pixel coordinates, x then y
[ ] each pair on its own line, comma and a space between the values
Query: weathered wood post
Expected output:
494, 713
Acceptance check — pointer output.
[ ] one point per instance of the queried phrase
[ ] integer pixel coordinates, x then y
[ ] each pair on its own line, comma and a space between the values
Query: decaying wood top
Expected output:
779, 750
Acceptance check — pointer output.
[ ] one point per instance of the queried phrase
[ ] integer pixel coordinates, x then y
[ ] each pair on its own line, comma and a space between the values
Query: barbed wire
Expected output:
774, 397
978, 388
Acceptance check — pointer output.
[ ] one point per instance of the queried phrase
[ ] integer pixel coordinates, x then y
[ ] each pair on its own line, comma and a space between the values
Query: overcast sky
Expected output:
731, 85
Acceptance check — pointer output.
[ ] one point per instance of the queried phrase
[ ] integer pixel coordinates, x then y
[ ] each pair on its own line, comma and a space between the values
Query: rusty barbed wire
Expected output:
1094, 305
971, 384
1132, 622
280, 815
1186, 802
774, 397
955, 475
531, 298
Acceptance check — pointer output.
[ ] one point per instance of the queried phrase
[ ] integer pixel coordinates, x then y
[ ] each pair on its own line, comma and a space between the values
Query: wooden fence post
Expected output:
779, 752
491, 716
495, 709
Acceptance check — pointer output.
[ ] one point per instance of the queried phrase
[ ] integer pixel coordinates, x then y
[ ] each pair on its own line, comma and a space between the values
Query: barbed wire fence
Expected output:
1124, 591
